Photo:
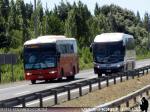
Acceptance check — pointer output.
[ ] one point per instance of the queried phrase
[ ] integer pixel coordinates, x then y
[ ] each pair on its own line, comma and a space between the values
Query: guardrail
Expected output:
116, 104
40, 95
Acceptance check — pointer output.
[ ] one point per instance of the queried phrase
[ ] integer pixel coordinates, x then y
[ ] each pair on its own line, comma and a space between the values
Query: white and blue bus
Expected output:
113, 52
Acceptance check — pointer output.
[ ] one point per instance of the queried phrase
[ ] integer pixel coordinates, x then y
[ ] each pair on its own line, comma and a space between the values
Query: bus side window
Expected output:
66, 48
130, 44
72, 49
69, 48
62, 49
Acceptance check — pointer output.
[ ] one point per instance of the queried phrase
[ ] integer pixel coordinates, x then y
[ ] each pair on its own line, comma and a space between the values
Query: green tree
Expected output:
70, 24
39, 18
4, 8
97, 25
82, 16
12, 16
139, 21
62, 10
146, 22
113, 24
29, 11
4, 38
53, 25
96, 10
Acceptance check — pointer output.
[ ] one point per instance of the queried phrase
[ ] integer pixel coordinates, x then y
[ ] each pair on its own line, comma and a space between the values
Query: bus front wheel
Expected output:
61, 75
33, 81
99, 74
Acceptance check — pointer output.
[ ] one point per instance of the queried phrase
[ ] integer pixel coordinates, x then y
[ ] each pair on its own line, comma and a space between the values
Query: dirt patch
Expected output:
108, 93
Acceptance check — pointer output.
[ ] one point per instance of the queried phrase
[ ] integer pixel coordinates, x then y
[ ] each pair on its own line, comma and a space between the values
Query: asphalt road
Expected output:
25, 87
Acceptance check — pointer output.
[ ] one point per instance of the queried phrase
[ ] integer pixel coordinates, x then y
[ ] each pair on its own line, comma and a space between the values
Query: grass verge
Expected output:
108, 93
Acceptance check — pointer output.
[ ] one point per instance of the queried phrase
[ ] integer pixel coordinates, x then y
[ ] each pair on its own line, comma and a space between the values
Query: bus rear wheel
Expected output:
61, 75
46, 81
72, 77
33, 81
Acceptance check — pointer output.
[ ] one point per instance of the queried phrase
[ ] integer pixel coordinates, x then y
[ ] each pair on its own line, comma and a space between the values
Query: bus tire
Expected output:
73, 74
33, 81
133, 65
99, 75
46, 81
61, 75
71, 77
122, 69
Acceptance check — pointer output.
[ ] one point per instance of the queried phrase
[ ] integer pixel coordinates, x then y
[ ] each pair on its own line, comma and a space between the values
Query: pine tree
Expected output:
139, 22
96, 10
4, 38
70, 24
12, 16
146, 22
39, 18
113, 24
138, 16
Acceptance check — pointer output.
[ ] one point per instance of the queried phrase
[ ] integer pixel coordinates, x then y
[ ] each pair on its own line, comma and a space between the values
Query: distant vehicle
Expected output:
50, 57
113, 52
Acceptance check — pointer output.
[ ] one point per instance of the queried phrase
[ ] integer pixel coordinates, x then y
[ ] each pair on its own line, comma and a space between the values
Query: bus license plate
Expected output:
108, 70
40, 77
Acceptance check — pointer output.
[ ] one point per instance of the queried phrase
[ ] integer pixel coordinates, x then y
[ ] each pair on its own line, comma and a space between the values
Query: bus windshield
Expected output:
41, 57
109, 52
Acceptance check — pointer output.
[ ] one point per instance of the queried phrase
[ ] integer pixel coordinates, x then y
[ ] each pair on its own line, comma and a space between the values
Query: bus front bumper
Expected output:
41, 74
108, 68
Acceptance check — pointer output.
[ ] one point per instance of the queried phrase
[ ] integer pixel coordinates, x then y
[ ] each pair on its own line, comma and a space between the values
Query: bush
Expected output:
85, 58
6, 70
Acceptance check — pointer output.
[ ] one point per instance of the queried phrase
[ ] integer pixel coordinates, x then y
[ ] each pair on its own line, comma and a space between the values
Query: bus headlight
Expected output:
98, 66
52, 72
28, 73
118, 65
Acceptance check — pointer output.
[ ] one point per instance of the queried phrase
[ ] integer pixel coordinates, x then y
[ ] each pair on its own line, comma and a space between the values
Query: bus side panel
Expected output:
130, 55
68, 62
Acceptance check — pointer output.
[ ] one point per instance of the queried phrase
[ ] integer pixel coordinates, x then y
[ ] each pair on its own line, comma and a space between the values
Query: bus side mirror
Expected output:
91, 46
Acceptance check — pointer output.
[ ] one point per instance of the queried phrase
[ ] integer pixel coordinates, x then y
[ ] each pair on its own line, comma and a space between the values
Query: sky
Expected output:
134, 5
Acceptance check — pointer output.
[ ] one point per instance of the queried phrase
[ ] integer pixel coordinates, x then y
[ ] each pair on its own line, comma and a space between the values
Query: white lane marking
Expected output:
22, 92
87, 72
51, 86
65, 84
12, 87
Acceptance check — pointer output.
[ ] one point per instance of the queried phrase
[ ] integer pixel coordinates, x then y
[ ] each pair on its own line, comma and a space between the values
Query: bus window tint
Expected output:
66, 48
109, 48
130, 44
40, 58
110, 52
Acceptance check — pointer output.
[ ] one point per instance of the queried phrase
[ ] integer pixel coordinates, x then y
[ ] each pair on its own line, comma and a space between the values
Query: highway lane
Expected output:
25, 87
18, 89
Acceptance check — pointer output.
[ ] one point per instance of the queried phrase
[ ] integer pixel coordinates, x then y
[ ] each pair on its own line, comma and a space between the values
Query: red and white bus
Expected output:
50, 57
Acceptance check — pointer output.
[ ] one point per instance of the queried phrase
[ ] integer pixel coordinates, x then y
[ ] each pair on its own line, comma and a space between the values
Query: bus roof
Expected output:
47, 39
111, 37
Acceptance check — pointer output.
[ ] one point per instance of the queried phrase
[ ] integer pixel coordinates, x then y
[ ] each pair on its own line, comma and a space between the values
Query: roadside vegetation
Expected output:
73, 20
108, 94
